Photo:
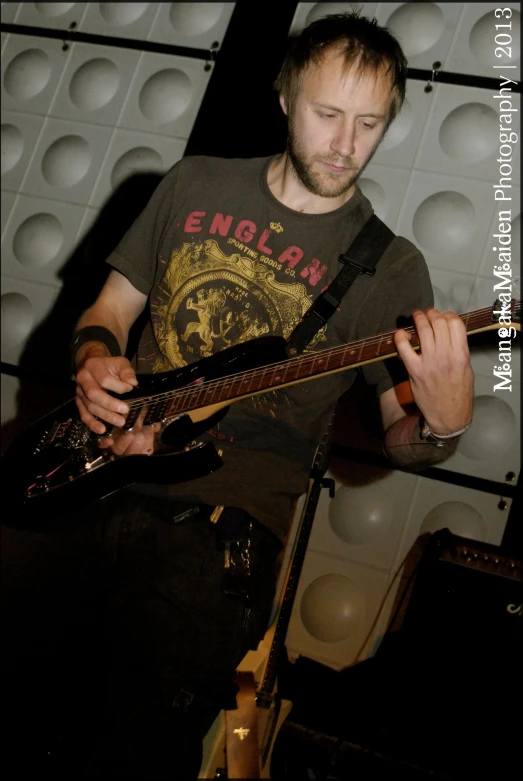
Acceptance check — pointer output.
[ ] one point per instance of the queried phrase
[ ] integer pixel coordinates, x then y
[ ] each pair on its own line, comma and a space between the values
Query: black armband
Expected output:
94, 333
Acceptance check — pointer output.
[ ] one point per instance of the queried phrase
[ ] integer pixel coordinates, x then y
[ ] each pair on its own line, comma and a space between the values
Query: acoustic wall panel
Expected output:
165, 95
309, 12
201, 25
66, 160
24, 305
359, 545
491, 447
39, 238
385, 188
120, 20
448, 218
132, 152
55, 16
459, 36
451, 290
20, 133
7, 202
10, 388
193, 25
462, 134
31, 70
475, 49
79, 119
402, 139
334, 611
94, 85
9, 11
362, 523
466, 512
424, 30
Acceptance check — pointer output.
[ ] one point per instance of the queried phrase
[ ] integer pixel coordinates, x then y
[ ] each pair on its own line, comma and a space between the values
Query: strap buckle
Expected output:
359, 266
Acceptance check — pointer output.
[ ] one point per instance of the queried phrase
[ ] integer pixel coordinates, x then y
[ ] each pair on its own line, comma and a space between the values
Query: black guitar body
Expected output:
56, 464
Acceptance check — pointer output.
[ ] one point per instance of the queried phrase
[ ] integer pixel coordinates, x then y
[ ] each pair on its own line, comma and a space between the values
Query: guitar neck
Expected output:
307, 367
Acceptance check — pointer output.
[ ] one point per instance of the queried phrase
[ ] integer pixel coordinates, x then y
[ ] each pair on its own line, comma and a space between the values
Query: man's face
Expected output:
336, 124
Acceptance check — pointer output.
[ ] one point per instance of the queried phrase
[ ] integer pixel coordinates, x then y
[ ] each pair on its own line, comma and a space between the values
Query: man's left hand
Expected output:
440, 374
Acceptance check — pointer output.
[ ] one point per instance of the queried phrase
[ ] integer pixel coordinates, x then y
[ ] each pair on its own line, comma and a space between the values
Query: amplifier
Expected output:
464, 612
439, 698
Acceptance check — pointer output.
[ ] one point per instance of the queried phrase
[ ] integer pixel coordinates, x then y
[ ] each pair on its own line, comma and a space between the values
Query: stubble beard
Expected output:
324, 185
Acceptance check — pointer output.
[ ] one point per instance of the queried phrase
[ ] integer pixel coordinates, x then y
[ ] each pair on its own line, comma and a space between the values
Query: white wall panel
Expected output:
78, 119
132, 152
95, 83
120, 20
199, 25
31, 70
39, 238
55, 16
24, 305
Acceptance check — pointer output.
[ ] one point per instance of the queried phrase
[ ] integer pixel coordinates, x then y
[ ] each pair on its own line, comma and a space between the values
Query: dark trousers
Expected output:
119, 642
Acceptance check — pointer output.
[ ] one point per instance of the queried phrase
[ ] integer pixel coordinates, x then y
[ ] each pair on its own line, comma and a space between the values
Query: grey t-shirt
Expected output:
224, 262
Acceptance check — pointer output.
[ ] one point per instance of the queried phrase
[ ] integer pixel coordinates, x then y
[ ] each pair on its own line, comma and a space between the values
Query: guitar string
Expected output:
474, 318
259, 372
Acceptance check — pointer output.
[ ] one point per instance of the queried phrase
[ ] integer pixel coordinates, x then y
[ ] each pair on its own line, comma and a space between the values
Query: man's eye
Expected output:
327, 116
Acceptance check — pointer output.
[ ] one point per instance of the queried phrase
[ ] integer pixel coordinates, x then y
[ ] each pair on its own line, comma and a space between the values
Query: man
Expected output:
228, 249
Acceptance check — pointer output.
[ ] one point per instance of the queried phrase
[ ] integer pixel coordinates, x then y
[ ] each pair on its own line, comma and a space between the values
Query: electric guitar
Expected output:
57, 461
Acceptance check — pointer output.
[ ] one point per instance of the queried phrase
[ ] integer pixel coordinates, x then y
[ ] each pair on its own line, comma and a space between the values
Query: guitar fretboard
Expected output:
204, 393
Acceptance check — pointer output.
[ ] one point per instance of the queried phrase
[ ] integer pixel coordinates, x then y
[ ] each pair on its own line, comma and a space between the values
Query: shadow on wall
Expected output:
44, 366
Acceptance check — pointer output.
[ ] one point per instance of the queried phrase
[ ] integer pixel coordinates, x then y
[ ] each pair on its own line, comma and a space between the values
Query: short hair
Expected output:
362, 42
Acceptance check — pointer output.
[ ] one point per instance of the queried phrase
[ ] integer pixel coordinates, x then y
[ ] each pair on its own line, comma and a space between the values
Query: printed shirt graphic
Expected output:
224, 262
209, 300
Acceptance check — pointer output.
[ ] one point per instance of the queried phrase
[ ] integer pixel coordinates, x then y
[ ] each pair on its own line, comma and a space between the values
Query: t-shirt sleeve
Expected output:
136, 255
405, 288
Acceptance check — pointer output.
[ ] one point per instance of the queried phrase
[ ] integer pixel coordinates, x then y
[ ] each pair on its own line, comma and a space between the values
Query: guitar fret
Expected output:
283, 373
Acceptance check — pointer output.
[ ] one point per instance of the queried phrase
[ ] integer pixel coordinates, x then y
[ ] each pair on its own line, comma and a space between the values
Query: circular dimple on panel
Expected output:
12, 147
493, 430
121, 14
53, 9
27, 74
165, 96
94, 84
417, 26
38, 240
444, 222
67, 161
459, 517
17, 319
140, 159
359, 516
376, 195
483, 46
194, 18
400, 127
468, 133
330, 608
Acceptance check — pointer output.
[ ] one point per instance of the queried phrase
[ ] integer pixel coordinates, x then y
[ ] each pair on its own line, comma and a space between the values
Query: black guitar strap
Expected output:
360, 257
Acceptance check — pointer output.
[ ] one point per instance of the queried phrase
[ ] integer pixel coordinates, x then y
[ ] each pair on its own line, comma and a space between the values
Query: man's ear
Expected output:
283, 104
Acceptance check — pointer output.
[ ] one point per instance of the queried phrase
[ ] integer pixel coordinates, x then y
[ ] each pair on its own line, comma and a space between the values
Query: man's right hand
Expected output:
95, 376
